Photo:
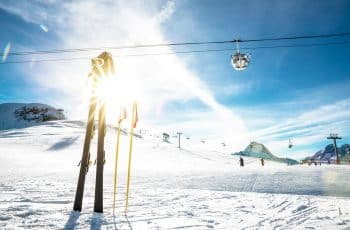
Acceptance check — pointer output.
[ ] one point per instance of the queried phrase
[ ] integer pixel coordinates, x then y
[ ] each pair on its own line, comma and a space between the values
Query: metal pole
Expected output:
336, 150
334, 137
179, 133
98, 205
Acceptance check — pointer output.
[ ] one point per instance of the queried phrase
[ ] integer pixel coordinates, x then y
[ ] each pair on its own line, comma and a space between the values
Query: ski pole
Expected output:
122, 116
116, 168
133, 125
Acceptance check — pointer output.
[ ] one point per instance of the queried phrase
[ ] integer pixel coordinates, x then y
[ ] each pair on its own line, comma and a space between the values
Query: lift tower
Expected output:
335, 137
179, 134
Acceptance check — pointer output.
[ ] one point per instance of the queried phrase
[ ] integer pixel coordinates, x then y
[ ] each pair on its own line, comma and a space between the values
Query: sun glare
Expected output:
117, 93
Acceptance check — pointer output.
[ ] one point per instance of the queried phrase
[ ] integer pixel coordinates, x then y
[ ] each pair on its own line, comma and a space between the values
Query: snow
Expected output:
191, 188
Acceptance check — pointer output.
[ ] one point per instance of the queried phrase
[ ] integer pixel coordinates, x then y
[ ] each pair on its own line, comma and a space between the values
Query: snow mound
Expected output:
255, 149
21, 115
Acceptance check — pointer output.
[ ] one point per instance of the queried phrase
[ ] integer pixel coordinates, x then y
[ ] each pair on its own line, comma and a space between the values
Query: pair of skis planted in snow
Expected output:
85, 162
102, 67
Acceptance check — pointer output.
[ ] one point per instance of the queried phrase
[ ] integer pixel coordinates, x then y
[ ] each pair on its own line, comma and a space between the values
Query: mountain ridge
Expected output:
22, 115
328, 153
258, 150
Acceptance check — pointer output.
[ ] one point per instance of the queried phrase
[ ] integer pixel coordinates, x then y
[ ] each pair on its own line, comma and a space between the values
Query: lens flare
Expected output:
44, 28
6, 51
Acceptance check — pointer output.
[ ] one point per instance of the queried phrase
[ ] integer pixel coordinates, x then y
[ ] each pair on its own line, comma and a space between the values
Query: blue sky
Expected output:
298, 93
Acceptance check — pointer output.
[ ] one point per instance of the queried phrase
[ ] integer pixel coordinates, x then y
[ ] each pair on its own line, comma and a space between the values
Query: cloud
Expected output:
152, 81
35, 15
325, 114
233, 89
166, 11
155, 81
307, 128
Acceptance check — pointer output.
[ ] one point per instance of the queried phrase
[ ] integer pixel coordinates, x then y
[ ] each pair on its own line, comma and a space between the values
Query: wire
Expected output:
182, 52
297, 45
175, 44
46, 60
298, 37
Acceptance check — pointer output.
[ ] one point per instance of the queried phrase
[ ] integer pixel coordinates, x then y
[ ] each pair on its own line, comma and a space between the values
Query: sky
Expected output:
299, 93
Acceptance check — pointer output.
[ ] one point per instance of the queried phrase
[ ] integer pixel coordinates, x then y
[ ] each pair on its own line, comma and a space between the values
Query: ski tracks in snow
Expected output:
42, 203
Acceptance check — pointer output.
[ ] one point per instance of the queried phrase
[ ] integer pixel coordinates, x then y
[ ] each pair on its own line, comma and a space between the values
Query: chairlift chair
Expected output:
239, 60
290, 145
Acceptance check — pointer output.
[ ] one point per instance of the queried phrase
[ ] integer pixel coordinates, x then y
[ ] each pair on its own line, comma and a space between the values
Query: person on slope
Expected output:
262, 161
241, 162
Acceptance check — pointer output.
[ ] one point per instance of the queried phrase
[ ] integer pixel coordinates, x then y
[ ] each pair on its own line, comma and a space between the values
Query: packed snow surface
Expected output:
171, 188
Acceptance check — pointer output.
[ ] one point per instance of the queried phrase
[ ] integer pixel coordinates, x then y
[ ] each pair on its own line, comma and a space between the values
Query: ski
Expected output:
98, 205
85, 160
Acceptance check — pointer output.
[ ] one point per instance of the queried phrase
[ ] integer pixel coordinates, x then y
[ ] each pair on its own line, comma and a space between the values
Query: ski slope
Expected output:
171, 188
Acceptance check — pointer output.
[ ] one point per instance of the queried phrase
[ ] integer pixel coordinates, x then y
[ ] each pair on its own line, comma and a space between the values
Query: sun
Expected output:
117, 93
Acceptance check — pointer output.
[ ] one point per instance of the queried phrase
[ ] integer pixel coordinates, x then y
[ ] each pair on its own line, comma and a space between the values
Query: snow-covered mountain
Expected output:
20, 115
255, 149
328, 153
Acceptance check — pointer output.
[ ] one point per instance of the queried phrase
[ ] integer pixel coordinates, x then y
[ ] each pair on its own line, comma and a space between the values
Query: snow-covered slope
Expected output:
20, 115
171, 188
257, 150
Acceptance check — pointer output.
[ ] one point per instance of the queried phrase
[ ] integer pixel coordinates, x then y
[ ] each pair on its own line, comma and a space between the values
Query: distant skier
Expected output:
241, 162
262, 161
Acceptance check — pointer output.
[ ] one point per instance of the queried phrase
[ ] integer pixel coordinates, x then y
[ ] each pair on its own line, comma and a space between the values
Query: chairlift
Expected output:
203, 141
239, 60
223, 144
290, 145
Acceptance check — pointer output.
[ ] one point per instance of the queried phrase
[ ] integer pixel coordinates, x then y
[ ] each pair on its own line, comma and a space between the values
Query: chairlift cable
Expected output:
180, 52
74, 50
